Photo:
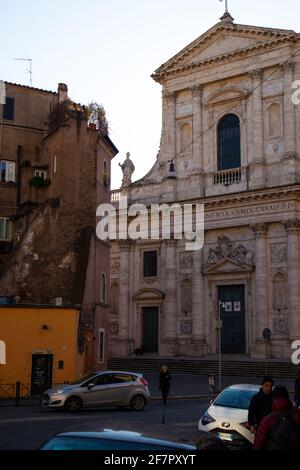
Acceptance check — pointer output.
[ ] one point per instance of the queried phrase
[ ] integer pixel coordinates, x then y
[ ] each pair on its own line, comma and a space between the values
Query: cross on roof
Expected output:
226, 5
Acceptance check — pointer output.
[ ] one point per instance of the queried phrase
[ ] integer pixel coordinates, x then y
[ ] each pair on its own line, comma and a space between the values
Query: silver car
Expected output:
109, 388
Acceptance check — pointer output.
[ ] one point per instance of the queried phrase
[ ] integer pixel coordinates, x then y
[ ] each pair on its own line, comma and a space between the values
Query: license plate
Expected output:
225, 436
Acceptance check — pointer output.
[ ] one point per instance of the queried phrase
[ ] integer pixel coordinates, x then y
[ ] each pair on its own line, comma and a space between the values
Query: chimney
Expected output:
62, 92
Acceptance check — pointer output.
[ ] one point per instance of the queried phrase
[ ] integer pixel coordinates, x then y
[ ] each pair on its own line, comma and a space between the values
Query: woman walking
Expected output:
164, 382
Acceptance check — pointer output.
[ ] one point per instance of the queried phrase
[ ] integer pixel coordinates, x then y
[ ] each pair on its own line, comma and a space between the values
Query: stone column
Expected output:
170, 303
257, 116
261, 280
293, 230
198, 297
170, 125
289, 110
124, 296
197, 134
197, 125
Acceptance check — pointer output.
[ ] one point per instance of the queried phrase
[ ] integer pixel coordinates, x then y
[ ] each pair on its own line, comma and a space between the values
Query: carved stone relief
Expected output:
114, 328
186, 327
226, 250
186, 261
279, 253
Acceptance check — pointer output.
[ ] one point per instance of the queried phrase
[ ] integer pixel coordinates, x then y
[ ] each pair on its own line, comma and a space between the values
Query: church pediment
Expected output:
221, 44
228, 257
227, 266
149, 294
220, 40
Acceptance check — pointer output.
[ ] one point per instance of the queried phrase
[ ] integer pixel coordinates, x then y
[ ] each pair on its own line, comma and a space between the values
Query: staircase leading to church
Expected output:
230, 367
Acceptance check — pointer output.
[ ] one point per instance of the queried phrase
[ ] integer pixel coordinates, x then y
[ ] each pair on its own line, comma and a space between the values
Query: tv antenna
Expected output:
30, 68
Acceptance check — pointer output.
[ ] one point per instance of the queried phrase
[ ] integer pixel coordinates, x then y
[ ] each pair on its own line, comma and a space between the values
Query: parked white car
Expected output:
227, 417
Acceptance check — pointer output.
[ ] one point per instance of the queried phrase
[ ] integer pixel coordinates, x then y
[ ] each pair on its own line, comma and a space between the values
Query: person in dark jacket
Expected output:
261, 404
297, 391
164, 383
265, 438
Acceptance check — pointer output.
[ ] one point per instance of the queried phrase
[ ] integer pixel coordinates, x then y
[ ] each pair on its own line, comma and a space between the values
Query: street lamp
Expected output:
220, 305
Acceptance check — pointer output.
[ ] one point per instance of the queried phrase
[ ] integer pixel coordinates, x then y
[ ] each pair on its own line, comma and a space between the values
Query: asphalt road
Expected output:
27, 427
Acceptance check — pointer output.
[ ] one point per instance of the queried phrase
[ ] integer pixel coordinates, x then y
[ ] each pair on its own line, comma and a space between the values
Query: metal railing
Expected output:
19, 394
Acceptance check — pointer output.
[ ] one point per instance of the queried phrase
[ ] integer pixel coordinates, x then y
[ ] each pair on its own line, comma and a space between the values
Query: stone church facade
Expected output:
231, 129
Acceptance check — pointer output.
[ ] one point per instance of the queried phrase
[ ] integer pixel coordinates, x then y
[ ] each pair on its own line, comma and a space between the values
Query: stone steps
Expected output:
247, 368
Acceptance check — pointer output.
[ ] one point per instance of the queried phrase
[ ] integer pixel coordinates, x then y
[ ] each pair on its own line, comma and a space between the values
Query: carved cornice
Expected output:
170, 243
292, 226
126, 245
159, 75
260, 230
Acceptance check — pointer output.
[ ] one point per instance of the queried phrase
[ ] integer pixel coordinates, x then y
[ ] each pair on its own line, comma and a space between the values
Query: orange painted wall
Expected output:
21, 330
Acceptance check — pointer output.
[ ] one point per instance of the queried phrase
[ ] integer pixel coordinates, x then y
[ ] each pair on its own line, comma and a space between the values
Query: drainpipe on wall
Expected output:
19, 159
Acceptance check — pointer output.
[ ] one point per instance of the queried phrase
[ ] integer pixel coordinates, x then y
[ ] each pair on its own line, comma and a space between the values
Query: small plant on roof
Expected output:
96, 115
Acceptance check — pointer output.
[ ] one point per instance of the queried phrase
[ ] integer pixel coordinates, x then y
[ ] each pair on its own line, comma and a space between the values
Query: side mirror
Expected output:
91, 386
211, 402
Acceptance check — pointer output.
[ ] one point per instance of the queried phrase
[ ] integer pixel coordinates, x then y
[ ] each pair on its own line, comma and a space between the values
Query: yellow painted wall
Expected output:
21, 330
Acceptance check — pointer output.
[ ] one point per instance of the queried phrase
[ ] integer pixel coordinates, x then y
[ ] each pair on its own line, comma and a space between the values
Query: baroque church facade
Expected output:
231, 130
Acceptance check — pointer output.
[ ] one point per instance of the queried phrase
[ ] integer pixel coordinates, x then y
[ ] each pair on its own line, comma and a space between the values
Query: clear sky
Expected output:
106, 50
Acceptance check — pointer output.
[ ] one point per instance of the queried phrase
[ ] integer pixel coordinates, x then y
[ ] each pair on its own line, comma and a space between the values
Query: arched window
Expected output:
229, 143
102, 289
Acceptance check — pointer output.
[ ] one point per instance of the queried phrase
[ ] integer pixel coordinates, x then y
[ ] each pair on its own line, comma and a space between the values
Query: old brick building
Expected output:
55, 169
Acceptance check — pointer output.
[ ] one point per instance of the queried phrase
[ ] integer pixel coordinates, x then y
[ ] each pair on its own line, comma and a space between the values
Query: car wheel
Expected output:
138, 403
73, 404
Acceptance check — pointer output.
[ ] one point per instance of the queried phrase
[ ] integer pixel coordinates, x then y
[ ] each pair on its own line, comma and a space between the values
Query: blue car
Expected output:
111, 440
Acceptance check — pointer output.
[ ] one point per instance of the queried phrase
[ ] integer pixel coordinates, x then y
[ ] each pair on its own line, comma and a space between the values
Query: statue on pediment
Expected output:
128, 169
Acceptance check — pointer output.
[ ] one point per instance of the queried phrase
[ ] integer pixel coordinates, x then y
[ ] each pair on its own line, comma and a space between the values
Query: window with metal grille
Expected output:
150, 264
9, 109
229, 143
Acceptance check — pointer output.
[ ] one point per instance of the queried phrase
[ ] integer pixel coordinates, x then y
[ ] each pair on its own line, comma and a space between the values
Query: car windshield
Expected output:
82, 379
235, 398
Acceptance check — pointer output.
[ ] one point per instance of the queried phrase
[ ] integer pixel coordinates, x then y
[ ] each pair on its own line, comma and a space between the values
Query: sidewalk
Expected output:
196, 386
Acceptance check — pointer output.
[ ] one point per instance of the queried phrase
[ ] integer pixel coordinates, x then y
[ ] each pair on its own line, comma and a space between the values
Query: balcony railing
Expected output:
228, 177
115, 195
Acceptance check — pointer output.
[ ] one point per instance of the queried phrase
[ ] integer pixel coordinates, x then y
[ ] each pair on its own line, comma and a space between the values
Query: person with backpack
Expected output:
261, 404
281, 429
